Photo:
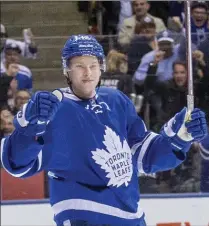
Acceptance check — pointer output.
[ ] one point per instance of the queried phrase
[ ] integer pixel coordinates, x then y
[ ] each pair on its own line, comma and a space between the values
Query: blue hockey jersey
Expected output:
93, 151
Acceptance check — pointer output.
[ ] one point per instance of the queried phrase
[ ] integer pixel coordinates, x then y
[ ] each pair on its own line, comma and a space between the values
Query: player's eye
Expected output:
93, 66
80, 66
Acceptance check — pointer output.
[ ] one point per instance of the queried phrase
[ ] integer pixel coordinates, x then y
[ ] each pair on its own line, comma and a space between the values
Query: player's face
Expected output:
84, 75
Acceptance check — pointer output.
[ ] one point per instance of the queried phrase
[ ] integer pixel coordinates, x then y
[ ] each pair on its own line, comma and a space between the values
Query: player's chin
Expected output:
88, 89
89, 85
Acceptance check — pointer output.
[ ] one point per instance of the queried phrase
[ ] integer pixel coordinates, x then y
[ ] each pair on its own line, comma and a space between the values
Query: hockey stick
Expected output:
190, 96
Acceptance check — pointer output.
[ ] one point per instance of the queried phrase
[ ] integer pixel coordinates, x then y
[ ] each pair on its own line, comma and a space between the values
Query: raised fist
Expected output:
38, 112
185, 128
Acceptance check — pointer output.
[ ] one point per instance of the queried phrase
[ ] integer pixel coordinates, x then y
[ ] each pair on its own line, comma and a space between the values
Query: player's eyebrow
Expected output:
82, 62
95, 62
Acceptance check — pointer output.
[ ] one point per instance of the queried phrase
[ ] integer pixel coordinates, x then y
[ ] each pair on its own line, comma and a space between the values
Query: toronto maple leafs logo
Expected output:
116, 160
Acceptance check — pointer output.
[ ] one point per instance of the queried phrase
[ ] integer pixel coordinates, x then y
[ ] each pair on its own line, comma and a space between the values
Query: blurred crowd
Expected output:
145, 47
15, 78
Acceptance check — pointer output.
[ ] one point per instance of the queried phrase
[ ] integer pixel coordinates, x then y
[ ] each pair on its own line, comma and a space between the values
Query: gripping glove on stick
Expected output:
37, 113
184, 128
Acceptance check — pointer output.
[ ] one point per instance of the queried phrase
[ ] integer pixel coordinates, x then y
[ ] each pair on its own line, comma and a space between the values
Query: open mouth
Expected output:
199, 20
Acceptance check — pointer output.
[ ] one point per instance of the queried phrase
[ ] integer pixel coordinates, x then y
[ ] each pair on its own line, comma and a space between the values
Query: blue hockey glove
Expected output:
185, 128
37, 113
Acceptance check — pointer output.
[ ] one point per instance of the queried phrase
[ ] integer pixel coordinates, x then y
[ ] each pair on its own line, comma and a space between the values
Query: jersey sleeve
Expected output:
21, 156
152, 151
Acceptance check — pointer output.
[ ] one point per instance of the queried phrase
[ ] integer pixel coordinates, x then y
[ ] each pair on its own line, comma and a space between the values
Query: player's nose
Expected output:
88, 72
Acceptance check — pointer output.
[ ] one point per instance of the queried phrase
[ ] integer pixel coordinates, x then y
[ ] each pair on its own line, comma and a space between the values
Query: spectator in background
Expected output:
173, 93
204, 48
116, 75
158, 62
28, 47
199, 28
21, 98
125, 11
140, 9
199, 67
143, 41
176, 16
8, 89
198, 60
6, 126
12, 93
155, 67
11, 67
5, 114
175, 26
200, 22
176, 10
185, 178
199, 18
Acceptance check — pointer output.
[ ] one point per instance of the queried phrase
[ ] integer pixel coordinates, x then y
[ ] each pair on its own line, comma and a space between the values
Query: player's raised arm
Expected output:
22, 154
169, 149
166, 150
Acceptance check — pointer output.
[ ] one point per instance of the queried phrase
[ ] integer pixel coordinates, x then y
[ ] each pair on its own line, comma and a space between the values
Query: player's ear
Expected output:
99, 83
69, 81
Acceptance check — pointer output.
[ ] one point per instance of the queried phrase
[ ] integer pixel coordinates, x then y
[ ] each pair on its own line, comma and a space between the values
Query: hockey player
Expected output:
93, 144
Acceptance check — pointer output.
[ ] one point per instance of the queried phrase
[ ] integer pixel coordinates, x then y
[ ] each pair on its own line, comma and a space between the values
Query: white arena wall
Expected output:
160, 210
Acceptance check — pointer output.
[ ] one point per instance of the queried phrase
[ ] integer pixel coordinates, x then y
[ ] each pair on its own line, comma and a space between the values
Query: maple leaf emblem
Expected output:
116, 160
